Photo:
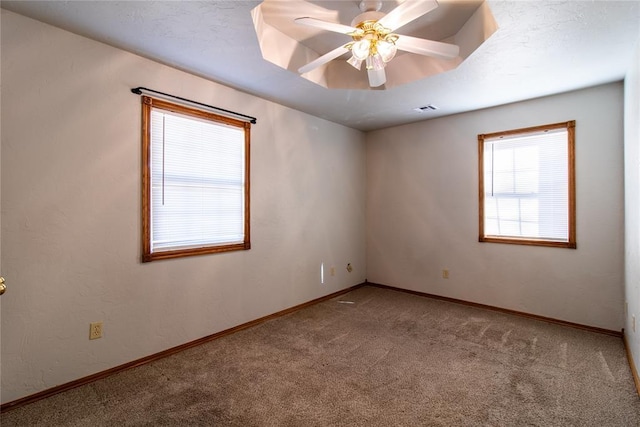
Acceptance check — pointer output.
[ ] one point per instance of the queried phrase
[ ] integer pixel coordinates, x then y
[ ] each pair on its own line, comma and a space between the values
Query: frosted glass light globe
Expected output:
386, 50
375, 62
360, 49
355, 62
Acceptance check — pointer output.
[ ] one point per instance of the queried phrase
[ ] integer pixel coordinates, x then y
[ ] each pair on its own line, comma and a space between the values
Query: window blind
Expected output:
526, 187
197, 182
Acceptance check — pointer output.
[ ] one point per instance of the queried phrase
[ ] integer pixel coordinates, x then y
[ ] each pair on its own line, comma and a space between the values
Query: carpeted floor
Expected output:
372, 357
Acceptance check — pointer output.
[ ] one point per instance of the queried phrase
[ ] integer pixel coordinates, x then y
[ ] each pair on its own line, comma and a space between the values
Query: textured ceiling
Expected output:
540, 48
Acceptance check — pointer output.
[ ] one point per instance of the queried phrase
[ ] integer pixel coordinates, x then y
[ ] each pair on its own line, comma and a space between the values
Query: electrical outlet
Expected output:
333, 271
445, 274
95, 330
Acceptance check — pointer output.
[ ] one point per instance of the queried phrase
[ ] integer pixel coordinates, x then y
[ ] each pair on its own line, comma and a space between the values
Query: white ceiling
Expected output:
540, 48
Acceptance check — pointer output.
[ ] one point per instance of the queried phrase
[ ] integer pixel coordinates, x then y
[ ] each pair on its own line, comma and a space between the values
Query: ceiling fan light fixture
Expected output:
361, 49
376, 77
387, 50
375, 62
355, 62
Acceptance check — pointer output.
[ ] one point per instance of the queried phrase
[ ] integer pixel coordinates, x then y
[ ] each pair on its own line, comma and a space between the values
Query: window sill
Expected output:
180, 253
527, 242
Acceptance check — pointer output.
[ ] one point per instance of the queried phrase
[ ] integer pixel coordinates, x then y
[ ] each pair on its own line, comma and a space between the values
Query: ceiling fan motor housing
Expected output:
371, 15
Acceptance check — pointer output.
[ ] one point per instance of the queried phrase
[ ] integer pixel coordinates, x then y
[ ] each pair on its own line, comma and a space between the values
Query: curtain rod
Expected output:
139, 91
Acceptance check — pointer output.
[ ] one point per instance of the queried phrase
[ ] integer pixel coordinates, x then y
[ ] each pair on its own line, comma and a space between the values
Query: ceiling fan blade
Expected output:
325, 25
427, 47
407, 12
323, 59
377, 77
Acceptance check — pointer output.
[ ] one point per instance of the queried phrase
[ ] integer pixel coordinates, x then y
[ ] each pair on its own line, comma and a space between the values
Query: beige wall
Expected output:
632, 205
71, 213
422, 212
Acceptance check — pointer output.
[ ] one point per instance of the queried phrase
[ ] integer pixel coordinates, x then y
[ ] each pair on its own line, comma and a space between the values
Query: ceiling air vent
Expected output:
426, 108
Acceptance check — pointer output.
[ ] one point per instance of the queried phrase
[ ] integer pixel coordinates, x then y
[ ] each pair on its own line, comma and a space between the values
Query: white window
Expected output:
195, 181
527, 186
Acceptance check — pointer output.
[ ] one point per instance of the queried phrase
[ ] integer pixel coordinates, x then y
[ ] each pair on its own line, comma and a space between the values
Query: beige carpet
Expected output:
373, 357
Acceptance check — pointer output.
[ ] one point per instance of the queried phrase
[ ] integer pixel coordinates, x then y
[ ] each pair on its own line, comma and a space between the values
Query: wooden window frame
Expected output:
148, 104
571, 243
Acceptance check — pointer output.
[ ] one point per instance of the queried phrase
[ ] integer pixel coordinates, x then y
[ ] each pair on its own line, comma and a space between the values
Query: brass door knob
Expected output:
3, 287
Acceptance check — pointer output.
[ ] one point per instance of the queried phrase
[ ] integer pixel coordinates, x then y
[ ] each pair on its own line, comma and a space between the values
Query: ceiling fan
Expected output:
374, 42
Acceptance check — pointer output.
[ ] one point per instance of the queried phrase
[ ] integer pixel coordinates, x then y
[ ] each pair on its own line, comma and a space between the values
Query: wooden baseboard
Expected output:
632, 364
502, 310
153, 357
